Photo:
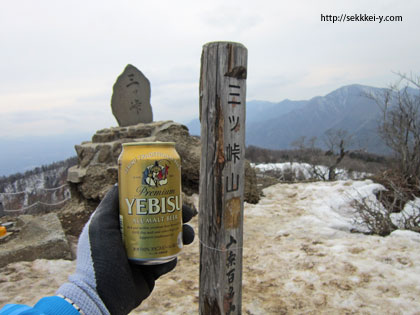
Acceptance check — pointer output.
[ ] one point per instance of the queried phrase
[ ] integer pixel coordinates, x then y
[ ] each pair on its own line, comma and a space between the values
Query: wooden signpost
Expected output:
222, 177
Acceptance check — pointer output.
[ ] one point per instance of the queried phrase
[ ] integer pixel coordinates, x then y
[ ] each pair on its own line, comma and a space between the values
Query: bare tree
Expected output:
399, 127
337, 142
400, 124
311, 144
299, 143
376, 214
373, 215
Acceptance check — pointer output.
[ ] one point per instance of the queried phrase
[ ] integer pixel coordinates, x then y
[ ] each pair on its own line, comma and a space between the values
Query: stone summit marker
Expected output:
130, 100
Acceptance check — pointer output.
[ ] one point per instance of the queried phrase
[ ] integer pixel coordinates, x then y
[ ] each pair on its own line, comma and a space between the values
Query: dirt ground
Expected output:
293, 264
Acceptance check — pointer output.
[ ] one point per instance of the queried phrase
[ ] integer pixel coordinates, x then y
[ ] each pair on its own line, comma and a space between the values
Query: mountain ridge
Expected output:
276, 125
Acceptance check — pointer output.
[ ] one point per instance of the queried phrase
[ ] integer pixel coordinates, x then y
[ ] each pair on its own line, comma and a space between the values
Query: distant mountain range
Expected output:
277, 125
269, 125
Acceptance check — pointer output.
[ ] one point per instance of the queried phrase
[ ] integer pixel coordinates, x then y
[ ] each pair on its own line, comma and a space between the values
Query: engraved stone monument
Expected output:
130, 100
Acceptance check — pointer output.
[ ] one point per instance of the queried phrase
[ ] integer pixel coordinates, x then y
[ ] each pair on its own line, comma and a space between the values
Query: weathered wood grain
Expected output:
222, 177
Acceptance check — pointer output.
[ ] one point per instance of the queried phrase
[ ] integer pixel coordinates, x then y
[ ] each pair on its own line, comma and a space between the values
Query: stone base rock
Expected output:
37, 237
97, 169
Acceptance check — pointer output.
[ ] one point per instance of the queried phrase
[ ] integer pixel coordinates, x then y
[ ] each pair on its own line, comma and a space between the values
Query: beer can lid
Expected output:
158, 143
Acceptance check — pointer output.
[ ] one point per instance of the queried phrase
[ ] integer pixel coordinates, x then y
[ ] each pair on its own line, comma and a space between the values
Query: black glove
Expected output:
105, 281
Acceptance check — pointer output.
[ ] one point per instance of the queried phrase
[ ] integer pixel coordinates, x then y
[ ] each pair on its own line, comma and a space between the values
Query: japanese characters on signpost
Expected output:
222, 115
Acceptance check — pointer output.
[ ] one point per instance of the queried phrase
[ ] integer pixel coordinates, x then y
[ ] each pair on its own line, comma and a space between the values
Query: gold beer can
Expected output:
149, 181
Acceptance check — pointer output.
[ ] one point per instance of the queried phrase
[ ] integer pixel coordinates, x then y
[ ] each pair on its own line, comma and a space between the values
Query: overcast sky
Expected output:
60, 59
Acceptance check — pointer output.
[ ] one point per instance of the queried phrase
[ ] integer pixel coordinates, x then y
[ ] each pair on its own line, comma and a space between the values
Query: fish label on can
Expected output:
149, 177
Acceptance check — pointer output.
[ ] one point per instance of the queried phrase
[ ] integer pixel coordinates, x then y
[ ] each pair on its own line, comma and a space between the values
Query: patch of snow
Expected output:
329, 203
305, 171
299, 257
411, 210
406, 234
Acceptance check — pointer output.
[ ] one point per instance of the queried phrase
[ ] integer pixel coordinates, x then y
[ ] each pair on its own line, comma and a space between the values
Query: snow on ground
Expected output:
411, 209
299, 258
305, 171
26, 282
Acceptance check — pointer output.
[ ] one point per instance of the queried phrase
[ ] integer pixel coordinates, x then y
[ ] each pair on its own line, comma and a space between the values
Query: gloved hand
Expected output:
105, 281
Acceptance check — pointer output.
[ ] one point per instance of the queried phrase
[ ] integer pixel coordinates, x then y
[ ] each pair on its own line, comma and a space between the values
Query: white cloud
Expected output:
62, 58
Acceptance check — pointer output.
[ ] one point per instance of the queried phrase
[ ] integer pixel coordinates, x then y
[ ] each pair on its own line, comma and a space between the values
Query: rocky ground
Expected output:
309, 263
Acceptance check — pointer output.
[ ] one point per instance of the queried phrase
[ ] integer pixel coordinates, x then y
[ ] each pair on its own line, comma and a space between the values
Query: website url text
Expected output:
360, 18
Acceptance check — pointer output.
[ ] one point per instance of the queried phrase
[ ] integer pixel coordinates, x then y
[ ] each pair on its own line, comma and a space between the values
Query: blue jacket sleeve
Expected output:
51, 305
